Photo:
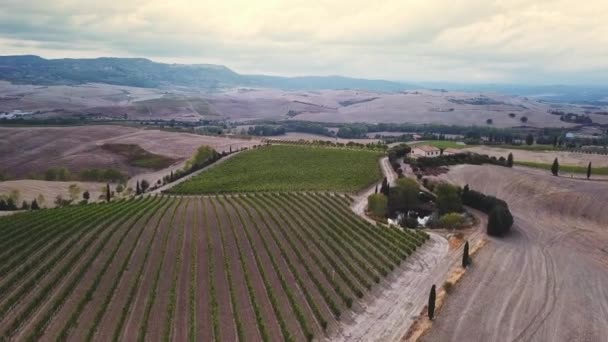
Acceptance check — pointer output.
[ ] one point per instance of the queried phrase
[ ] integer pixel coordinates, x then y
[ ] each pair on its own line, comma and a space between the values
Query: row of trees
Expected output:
500, 219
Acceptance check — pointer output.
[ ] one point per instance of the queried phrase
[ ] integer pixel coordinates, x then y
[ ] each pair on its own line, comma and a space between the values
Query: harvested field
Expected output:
273, 266
545, 281
33, 150
545, 157
288, 168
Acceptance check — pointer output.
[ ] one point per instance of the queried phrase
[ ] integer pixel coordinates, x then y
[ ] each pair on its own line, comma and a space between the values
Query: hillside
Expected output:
140, 72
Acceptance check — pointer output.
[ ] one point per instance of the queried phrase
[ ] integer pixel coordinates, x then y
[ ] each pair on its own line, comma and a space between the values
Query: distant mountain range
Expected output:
141, 72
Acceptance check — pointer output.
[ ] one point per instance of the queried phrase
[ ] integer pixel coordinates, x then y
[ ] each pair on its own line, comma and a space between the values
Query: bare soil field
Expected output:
100, 101
545, 281
275, 265
546, 157
310, 137
33, 150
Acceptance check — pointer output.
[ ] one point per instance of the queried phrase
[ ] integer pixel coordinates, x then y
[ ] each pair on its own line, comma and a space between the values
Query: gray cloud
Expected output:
538, 41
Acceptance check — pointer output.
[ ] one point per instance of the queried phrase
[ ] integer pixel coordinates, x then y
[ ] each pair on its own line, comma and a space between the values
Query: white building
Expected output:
425, 151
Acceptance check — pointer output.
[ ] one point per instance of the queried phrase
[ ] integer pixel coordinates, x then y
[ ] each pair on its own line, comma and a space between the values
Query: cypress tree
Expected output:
34, 205
137, 189
589, 170
555, 167
108, 194
465, 255
431, 305
510, 160
376, 191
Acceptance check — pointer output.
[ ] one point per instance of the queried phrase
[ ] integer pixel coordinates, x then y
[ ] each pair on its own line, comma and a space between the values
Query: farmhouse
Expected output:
425, 151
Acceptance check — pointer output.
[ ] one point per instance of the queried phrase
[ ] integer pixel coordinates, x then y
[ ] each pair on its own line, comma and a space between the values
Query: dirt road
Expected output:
394, 306
360, 200
547, 280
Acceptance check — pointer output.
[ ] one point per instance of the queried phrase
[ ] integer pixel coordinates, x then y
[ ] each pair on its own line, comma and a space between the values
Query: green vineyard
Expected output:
288, 168
267, 266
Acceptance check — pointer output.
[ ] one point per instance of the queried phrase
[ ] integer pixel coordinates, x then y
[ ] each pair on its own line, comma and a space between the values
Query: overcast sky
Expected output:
478, 41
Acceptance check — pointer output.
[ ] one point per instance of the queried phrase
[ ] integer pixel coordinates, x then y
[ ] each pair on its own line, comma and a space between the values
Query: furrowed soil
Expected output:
546, 280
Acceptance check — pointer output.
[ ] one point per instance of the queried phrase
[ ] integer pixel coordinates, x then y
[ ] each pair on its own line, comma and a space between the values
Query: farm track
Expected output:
274, 266
553, 262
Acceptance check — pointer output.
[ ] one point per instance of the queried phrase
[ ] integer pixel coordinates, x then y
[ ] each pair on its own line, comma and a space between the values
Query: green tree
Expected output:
25, 205
403, 196
137, 188
448, 198
465, 255
74, 191
144, 185
555, 167
377, 204
510, 160
431, 306
108, 193
35, 205
86, 195
529, 139
500, 221
589, 170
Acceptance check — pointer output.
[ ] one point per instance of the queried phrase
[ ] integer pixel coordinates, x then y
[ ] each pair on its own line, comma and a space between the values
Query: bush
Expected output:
403, 196
448, 198
451, 220
448, 287
500, 221
377, 204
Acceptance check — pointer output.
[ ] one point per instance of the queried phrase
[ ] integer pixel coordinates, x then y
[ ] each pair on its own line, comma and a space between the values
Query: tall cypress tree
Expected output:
376, 191
510, 160
137, 189
431, 305
555, 167
108, 194
589, 170
465, 255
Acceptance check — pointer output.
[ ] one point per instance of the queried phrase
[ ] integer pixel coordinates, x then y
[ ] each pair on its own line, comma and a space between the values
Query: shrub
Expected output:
500, 221
448, 287
451, 220
377, 204
448, 198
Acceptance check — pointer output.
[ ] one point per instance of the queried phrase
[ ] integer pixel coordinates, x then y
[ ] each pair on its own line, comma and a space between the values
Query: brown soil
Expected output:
220, 279
158, 316
135, 317
542, 281
243, 303
204, 331
33, 150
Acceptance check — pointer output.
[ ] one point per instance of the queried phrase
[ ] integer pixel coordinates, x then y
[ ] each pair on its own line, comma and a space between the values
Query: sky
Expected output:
459, 41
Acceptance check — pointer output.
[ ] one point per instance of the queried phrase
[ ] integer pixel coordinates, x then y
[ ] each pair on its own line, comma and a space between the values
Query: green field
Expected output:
564, 168
288, 168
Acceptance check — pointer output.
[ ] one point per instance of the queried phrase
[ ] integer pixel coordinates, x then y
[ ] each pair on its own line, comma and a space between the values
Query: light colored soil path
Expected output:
360, 200
546, 281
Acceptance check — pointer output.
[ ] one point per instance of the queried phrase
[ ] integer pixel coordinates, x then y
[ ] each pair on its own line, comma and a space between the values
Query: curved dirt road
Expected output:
547, 280
391, 309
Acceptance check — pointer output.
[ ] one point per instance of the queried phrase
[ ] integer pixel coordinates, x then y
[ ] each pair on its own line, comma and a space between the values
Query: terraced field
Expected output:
272, 266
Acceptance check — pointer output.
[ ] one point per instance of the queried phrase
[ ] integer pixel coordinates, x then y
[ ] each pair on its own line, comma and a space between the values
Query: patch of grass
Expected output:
288, 168
564, 168
138, 157
443, 144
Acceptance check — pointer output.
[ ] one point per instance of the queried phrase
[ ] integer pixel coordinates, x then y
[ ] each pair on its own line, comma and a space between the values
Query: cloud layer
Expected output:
535, 41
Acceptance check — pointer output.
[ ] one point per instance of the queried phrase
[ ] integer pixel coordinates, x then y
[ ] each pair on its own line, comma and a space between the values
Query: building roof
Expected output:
427, 148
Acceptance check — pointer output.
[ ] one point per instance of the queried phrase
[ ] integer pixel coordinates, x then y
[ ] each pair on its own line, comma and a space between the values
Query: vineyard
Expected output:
270, 267
288, 168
